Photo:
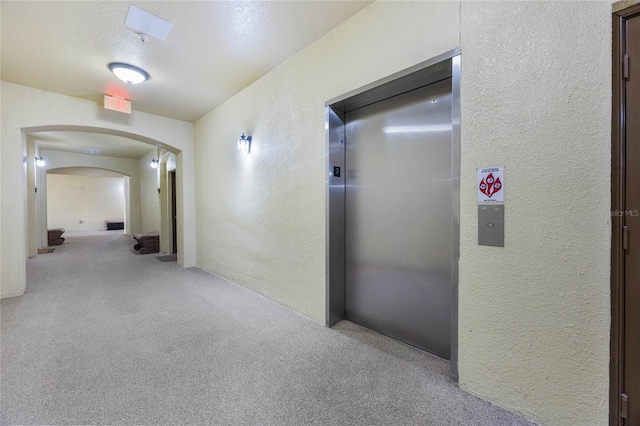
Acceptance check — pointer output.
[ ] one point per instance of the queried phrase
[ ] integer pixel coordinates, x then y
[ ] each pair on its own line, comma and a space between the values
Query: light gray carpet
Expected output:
105, 337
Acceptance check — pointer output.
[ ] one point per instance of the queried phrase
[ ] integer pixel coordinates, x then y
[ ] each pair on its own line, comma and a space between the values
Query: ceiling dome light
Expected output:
128, 73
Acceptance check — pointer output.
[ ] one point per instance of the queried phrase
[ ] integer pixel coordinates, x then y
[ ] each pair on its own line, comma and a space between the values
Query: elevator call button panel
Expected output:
491, 225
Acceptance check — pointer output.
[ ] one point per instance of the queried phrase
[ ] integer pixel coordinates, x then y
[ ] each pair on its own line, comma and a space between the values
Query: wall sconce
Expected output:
40, 161
154, 163
244, 143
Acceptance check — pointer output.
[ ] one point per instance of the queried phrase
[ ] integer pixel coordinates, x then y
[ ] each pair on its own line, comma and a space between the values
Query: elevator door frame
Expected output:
431, 71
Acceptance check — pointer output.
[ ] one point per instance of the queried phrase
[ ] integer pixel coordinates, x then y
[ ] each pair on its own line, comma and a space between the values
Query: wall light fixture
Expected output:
40, 161
244, 143
154, 163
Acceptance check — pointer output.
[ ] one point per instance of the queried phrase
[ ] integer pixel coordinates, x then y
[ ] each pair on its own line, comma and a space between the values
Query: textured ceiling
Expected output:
80, 142
84, 171
214, 50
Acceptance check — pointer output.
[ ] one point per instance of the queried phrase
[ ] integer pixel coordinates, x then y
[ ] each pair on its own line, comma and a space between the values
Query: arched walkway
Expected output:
37, 210
35, 111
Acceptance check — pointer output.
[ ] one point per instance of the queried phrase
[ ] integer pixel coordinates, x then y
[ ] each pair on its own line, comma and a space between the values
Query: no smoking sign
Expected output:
491, 185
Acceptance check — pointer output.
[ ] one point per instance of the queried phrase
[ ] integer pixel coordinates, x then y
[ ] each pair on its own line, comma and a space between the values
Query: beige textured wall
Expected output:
149, 197
534, 315
25, 108
83, 203
262, 216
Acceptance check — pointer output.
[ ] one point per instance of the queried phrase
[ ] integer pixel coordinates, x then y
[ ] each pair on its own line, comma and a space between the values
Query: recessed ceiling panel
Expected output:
146, 23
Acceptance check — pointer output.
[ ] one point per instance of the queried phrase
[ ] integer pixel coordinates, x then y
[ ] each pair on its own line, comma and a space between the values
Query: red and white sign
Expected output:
491, 185
116, 103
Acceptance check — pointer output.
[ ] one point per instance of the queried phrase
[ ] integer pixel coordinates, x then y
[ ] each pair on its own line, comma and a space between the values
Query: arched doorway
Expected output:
35, 111
86, 200
114, 150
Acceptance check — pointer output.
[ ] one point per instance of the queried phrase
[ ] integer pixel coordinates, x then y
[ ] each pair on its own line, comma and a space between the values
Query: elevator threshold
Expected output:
393, 346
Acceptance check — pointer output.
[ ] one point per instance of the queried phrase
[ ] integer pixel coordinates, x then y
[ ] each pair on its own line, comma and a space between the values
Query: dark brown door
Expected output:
632, 223
174, 219
626, 220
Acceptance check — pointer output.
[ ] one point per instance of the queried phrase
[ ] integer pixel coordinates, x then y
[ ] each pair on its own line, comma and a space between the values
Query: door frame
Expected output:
446, 65
618, 155
173, 210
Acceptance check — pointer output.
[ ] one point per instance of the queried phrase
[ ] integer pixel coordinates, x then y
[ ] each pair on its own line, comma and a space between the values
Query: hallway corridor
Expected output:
106, 336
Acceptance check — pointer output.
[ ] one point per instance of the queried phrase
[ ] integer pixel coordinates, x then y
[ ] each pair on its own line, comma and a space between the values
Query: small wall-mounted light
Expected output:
154, 163
40, 161
244, 143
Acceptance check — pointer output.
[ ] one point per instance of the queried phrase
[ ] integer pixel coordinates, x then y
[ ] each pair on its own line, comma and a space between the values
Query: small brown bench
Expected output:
147, 242
54, 236
111, 225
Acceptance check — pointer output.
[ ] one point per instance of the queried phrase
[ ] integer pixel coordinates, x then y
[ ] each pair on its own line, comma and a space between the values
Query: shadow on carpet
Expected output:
167, 257
44, 251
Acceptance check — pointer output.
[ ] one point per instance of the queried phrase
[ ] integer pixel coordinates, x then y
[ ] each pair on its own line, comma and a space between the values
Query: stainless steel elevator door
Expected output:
398, 215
